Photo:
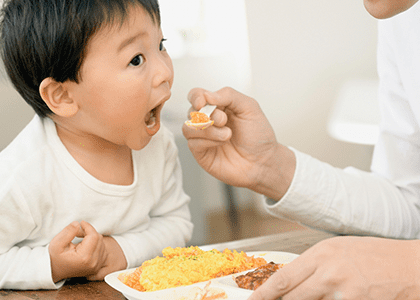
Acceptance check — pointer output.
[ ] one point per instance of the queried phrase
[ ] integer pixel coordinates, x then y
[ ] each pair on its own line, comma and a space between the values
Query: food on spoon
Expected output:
185, 266
199, 117
254, 279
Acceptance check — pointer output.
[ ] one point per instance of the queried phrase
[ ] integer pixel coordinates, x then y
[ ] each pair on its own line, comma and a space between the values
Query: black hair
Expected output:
48, 38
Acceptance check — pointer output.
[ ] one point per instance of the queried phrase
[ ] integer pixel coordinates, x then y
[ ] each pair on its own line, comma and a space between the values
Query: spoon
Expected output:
207, 110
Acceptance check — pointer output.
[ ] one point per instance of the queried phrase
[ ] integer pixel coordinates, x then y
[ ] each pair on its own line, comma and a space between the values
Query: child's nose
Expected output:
163, 71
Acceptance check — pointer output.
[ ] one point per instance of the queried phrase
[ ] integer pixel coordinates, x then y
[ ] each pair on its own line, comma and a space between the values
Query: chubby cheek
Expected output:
119, 119
129, 121
128, 103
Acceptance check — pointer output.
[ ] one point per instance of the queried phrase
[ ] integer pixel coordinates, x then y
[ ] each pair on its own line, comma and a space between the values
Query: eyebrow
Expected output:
130, 40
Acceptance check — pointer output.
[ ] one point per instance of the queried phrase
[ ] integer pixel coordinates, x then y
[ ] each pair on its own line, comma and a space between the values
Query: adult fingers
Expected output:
212, 133
219, 117
233, 100
310, 289
197, 98
285, 279
203, 145
223, 98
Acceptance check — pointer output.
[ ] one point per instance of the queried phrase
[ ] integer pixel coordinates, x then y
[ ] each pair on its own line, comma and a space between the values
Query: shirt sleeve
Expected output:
21, 267
170, 219
346, 201
383, 202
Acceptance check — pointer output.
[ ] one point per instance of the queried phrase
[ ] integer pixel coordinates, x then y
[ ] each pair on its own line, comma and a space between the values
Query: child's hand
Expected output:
115, 259
77, 260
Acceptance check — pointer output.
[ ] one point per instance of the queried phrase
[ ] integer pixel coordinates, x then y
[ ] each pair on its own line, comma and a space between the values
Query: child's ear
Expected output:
56, 96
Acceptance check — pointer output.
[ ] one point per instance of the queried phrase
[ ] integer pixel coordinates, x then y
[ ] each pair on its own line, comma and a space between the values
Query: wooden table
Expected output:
296, 241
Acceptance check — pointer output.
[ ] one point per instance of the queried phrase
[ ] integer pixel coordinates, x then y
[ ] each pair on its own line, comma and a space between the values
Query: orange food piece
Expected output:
199, 117
132, 279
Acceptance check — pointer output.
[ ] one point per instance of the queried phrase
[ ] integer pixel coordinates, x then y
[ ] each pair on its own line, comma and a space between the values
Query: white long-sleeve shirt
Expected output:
43, 189
385, 201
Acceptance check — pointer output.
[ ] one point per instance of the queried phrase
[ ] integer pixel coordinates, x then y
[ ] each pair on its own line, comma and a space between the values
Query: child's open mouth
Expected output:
152, 120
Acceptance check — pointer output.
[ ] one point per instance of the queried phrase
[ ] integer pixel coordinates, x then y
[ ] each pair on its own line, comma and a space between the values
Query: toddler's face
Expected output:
383, 9
125, 79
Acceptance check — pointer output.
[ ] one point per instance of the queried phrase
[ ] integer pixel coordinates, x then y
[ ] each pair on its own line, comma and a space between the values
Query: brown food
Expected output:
252, 280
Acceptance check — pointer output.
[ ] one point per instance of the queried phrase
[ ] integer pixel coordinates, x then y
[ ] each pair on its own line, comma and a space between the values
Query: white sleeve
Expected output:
170, 220
21, 267
348, 201
385, 202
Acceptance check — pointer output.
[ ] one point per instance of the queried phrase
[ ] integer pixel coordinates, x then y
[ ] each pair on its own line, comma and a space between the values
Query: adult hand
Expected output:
349, 268
77, 260
240, 149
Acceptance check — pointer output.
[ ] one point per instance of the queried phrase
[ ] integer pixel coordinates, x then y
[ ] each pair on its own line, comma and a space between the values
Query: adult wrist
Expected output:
277, 173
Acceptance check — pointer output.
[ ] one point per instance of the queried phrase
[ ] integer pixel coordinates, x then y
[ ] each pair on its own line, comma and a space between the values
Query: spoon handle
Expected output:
208, 109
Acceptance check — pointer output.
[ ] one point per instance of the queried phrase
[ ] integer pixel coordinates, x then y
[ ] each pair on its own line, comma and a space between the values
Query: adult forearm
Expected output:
348, 201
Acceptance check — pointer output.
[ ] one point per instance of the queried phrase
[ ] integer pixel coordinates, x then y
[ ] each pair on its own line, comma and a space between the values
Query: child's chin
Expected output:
140, 144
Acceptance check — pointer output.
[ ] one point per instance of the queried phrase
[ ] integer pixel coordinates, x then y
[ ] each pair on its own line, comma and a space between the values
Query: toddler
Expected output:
93, 184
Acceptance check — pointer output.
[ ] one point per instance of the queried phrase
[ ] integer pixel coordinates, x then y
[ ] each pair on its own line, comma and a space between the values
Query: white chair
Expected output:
355, 116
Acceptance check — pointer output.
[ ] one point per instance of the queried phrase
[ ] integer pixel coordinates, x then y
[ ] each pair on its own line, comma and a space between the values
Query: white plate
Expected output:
227, 283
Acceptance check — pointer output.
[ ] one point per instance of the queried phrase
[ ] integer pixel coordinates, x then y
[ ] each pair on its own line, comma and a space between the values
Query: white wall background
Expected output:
14, 112
301, 53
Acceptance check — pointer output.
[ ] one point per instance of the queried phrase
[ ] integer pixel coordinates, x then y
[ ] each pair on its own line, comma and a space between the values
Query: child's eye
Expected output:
137, 60
161, 46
